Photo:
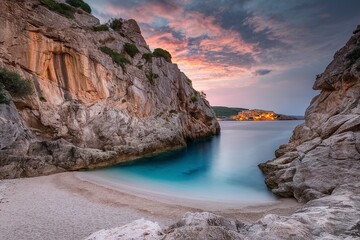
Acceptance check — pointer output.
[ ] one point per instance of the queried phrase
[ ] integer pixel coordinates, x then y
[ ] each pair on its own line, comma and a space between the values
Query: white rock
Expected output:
138, 229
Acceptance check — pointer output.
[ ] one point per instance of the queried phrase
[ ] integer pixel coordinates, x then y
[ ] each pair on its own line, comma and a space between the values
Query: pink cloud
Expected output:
190, 25
193, 57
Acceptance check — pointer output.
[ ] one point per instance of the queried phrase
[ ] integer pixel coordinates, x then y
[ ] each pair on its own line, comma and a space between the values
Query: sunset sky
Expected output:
244, 53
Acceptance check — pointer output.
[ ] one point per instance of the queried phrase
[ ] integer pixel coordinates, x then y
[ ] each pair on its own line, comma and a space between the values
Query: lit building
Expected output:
255, 115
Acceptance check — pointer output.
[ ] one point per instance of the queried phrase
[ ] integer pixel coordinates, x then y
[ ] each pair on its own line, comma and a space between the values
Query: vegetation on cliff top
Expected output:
147, 57
131, 49
14, 84
116, 24
79, 4
101, 28
159, 52
221, 111
118, 58
65, 9
60, 8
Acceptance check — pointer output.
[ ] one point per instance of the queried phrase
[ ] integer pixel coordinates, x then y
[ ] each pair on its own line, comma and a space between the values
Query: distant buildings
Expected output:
243, 114
256, 115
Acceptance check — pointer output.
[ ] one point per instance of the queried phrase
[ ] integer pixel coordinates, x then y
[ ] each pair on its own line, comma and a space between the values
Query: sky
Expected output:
244, 53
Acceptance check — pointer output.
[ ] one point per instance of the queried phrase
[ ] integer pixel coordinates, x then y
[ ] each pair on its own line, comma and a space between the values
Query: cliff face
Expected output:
323, 153
87, 111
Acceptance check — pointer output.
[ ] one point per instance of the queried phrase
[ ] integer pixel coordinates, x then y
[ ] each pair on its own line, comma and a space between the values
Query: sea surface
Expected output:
220, 169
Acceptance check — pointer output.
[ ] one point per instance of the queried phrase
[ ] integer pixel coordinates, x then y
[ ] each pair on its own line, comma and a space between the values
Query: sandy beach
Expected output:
72, 206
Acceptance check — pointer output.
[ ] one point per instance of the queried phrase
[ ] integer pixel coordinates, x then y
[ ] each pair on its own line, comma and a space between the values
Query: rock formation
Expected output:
138, 229
321, 163
332, 217
323, 153
86, 111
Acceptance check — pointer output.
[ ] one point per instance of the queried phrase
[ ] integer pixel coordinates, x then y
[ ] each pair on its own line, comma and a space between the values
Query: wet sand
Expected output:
73, 205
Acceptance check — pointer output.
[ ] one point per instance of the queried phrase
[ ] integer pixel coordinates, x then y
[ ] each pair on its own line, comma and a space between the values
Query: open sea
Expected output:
221, 169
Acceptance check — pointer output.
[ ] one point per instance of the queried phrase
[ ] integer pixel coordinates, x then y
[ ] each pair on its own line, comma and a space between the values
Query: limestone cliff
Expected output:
87, 111
323, 153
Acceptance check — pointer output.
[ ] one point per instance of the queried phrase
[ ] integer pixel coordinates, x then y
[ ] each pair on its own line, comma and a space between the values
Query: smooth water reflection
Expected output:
222, 168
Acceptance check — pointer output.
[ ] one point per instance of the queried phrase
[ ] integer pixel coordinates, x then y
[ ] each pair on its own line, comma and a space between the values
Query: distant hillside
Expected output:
221, 111
290, 117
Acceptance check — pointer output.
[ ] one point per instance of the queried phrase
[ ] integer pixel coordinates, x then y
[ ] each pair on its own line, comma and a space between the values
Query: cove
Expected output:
221, 169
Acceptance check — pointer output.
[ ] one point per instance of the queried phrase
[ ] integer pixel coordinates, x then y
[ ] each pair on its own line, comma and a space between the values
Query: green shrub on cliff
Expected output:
147, 57
159, 52
131, 49
194, 97
116, 24
151, 77
79, 4
101, 28
118, 58
60, 8
14, 84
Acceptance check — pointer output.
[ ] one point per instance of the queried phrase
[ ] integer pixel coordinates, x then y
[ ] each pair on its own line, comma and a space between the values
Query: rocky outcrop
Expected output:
326, 218
138, 229
86, 111
203, 226
324, 153
321, 163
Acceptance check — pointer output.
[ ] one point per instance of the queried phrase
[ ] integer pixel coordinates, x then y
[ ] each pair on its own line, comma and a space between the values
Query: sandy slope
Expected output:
65, 206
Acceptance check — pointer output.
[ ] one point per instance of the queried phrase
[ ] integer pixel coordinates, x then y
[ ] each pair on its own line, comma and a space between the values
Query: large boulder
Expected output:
324, 152
138, 229
203, 226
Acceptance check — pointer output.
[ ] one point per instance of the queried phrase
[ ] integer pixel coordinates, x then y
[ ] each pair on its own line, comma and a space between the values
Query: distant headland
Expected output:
244, 114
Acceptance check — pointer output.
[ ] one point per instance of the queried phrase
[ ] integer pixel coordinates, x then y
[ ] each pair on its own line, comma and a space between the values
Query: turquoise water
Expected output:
222, 168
